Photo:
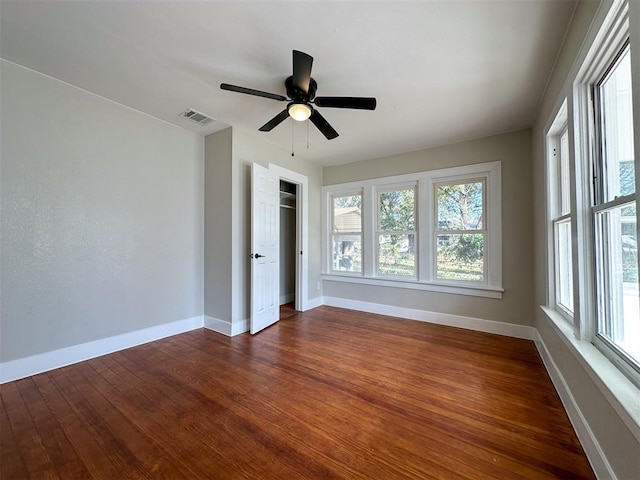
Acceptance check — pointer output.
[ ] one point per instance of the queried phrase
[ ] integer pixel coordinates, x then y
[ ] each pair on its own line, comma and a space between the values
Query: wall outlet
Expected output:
319, 285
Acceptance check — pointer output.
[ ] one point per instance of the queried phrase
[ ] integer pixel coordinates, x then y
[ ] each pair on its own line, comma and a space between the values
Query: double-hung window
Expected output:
396, 232
561, 294
346, 232
614, 212
460, 230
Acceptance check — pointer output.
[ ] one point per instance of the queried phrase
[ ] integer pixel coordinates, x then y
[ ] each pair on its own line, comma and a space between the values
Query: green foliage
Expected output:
469, 248
461, 257
397, 210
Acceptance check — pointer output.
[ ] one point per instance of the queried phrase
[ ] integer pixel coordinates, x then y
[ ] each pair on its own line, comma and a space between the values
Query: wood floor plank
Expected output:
329, 393
61, 452
29, 442
11, 463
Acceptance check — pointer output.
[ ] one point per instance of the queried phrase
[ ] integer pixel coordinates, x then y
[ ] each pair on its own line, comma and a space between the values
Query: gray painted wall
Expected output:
102, 217
514, 150
618, 444
218, 244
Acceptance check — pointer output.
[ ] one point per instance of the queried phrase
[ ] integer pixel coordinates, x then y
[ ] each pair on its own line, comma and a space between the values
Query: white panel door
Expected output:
265, 248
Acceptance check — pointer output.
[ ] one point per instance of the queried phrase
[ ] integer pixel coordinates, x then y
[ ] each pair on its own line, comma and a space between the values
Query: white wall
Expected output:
514, 151
600, 414
102, 217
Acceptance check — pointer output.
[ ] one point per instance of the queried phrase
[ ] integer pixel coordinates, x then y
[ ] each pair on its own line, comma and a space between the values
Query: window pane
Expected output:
617, 130
617, 278
565, 206
396, 211
564, 271
347, 214
347, 253
396, 255
460, 206
460, 257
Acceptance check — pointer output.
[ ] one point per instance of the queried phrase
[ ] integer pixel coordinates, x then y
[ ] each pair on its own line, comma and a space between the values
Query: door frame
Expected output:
302, 232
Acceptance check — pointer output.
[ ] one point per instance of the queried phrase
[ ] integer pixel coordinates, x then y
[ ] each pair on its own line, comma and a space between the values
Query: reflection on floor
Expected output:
287, 310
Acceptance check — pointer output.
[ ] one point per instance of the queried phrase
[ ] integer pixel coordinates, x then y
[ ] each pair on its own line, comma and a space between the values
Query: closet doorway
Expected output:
288, 242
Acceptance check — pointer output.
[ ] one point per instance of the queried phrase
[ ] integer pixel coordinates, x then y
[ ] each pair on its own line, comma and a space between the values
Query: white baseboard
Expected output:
470, 323
594, 453
43, 362
225, 327
313, 303
240, 327
288, 298
217, 325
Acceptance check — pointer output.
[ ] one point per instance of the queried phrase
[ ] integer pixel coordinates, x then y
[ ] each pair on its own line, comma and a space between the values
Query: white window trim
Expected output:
377, 231
327, 231
554, 131
437, 231
425, 212
608, 41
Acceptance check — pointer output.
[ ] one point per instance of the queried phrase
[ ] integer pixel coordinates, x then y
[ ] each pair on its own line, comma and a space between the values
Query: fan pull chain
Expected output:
292, 154
307, 134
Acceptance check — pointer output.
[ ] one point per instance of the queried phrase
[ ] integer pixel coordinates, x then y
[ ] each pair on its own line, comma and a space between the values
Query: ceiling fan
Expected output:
301, 94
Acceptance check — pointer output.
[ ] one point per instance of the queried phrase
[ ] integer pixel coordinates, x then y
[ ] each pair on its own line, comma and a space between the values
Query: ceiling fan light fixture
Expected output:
299, 111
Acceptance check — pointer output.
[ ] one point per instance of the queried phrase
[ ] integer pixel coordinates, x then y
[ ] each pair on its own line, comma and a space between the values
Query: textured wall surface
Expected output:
102, 217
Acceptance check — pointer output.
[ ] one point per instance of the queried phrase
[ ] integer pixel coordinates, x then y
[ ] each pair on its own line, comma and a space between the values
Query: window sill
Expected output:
619, 391
472, 290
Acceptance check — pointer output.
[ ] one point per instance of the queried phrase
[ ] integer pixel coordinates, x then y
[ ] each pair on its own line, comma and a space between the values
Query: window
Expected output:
346, 233
460, 231
614, 212
437, 230
559, 184
396, 232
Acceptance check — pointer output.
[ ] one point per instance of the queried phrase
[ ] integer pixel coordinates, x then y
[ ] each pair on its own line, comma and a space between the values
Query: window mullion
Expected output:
369, 227
425, 228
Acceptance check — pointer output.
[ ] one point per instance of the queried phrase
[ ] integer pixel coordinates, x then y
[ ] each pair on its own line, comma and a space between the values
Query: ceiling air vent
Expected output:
194, 116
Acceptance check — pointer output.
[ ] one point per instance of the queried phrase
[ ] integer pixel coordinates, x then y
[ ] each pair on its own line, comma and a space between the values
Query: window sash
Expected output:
618, 304
614, 306
563, 266
345, 262
380, 271
564, 175
458, 275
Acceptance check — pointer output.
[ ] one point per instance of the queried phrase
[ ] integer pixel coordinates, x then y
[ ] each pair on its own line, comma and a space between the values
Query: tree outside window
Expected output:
460, 233
397, 232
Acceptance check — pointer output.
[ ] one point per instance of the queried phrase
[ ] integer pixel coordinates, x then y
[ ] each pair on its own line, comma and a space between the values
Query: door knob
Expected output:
257, 255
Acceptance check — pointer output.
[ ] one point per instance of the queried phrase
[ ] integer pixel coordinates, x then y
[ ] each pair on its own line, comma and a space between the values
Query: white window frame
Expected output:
556, 213
424, 183
608, 43
437, 231
329, 259
392, 188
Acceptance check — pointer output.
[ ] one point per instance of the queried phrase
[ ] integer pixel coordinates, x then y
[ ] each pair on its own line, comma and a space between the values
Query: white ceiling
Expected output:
442, 72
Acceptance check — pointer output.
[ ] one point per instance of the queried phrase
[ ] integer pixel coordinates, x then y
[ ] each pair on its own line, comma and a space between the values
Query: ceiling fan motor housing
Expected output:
298, 95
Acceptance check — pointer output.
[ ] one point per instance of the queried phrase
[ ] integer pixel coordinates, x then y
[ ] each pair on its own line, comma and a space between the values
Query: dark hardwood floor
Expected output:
330, 393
